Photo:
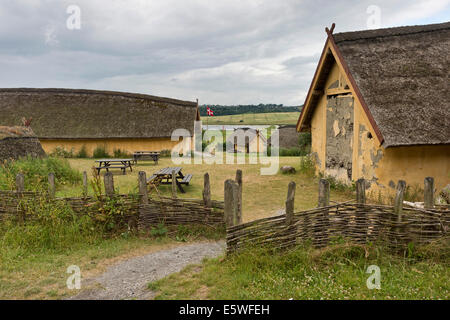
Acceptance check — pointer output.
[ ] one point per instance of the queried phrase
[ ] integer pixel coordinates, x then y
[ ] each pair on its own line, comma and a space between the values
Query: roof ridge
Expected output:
104, 92
389, 32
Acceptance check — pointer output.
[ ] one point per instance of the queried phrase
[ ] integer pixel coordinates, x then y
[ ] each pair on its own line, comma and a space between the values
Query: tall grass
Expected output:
338, 271
36, 172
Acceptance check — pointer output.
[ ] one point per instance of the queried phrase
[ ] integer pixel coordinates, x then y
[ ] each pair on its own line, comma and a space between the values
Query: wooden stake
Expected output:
231, 203
206, 191
324, 193
428, 200
109, 184
290, 203
398, 202
85, 184
20, 182
51, 185
239, 182
361, 191
174, 184
142, 183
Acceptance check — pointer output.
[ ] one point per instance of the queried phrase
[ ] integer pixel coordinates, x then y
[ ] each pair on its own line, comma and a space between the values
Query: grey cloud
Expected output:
220, 52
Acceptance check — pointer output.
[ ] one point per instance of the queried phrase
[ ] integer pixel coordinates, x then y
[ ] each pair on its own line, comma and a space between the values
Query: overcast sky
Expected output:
221, 52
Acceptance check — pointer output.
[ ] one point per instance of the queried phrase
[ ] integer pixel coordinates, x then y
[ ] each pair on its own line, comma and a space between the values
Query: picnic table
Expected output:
164, 176
146, 155
107, 164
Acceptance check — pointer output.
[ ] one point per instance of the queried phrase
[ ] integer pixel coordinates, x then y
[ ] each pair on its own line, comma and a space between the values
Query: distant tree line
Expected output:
221, 110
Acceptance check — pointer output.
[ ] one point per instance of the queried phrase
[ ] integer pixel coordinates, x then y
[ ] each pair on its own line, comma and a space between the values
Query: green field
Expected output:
255, 118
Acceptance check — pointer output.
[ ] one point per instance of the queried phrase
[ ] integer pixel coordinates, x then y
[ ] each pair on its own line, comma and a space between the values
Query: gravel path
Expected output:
129, 279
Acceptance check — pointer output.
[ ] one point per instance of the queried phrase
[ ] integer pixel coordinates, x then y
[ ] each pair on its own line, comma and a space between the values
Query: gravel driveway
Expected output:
129, 279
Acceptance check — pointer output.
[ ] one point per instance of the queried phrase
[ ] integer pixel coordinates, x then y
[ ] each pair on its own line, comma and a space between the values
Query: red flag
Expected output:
209, 111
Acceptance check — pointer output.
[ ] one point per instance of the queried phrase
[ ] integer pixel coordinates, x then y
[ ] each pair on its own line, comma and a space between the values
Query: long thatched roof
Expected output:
402, 76
92, 114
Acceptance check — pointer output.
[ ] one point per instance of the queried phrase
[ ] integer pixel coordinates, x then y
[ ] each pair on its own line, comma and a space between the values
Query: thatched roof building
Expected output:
246, 140
288, 137
379, 102
72, 117
17, 142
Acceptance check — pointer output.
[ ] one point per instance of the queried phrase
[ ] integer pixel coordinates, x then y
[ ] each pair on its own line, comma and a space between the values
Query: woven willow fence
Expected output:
141, 210
354, 221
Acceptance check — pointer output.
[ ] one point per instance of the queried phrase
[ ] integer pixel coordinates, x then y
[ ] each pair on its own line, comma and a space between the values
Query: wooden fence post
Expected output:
290, 203
20, 182
398, 209
428, 200
51, 185
20, 188
109, 184
142, 180
239, 182
206, 191
361, 191
174, 184
324, 193
322, 219
360, 217
85, 184
231, 203
398, 202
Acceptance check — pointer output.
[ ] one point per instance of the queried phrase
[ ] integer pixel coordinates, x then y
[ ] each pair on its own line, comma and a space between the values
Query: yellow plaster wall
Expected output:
127, 145
319, 122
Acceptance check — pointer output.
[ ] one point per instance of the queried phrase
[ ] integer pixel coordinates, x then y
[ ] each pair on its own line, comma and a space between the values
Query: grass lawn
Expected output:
335, 272
42, 274
262, 195
254, 118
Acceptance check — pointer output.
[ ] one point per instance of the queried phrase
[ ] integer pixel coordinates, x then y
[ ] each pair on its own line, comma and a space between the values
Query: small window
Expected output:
369, 135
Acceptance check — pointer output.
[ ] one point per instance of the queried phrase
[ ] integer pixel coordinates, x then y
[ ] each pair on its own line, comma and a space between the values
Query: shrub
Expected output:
54, 227
61, 152
304, 141
82, 153
120, 153
36, 173
338, 185
165, 153
290, 152
307, 165
159, 231
100, 152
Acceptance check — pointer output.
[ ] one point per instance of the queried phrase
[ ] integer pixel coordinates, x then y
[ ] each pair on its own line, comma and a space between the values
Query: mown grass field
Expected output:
262, 195
254, 118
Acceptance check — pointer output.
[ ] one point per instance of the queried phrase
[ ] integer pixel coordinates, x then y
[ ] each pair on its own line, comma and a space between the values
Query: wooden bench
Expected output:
123, 168
146, 155
107, 164
187, 178
164, 176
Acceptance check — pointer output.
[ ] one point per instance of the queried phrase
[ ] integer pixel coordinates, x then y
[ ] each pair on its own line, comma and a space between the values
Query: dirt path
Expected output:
129, 279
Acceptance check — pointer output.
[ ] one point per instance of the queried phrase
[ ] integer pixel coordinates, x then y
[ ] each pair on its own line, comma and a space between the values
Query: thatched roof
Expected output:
87, 114
288, 137
402, 76
16, 142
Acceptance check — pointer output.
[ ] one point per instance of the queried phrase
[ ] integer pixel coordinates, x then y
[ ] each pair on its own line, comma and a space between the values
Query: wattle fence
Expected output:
355, 221
141, 211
